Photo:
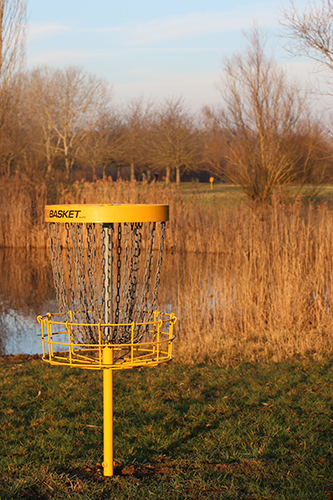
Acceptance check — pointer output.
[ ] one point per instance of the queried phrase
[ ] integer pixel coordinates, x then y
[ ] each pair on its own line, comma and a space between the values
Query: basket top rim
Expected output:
106, 213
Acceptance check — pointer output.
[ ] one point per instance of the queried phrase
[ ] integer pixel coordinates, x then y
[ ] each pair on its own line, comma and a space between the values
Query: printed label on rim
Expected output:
106, 213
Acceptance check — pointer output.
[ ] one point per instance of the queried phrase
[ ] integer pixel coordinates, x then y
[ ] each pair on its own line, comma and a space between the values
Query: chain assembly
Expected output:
99, 276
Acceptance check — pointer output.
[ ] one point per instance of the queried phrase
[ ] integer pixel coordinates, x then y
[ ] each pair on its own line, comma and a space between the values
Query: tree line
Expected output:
56, 123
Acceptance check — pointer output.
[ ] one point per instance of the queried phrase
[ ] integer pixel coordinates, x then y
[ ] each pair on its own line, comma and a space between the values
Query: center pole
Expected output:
108, 411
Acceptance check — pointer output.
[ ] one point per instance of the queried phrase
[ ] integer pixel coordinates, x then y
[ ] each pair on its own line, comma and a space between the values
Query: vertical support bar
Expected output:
132, 343
159, 324
108, 278
108, 411
99, 341
43, 345
171, 323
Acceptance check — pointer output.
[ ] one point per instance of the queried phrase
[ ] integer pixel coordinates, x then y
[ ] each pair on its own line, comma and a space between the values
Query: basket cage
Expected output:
107, 273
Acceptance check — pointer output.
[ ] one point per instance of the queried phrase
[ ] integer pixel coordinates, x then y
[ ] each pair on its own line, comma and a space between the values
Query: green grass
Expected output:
220, 195
231, 195
181, 432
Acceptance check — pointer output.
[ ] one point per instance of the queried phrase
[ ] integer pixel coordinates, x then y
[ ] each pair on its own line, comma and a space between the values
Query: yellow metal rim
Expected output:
106, 213
60, 348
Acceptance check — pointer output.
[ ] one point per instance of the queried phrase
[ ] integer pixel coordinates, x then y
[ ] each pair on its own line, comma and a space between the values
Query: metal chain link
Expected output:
107, 277
118, 280
159, 267
136, 241
83, 313
102, 248
70, 271
92, 273
151, 231
57, 267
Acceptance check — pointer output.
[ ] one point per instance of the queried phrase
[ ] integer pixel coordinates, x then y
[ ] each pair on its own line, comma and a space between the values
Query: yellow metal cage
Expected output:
60, 348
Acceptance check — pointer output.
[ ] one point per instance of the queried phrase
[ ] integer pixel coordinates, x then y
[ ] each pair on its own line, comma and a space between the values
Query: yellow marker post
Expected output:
211, 180
108, 411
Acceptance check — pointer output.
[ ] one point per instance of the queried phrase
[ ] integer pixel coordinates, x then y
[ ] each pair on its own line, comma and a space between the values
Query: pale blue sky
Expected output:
147, 48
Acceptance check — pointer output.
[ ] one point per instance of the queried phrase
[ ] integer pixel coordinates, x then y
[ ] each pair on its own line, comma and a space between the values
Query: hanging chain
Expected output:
159, 267
136, 239
57, 267
148, 267
70, 270
92, 273
118, 280
107, 277
110, 266
81, 280
102, 261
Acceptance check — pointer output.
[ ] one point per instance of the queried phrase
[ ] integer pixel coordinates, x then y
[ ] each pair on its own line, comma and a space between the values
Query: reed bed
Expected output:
21, 214
247, 282
193, 226
266, 296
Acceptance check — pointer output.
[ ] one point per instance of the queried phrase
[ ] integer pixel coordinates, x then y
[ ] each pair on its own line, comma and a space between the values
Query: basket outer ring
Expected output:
106, 213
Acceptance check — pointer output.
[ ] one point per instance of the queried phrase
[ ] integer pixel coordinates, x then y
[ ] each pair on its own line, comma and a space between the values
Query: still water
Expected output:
26, 291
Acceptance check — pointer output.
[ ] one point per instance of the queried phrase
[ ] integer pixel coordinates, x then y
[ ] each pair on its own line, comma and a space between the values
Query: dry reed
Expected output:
266, 296
21, 214
261, 288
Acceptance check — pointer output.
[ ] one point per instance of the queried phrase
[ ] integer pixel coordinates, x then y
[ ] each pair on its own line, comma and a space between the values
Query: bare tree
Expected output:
136, 119
260, 121
175, 143
13, 139
102, 145
67, 104
13, 18
212, 141
310, 31
38, 102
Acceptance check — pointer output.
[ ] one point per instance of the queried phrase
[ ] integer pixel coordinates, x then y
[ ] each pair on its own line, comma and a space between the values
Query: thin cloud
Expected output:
41, 31
63, 57
189, 25
74, 56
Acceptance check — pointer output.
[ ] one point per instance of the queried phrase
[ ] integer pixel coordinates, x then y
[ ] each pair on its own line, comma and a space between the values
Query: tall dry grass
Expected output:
246, 282
266, 296
192, 228
22, 214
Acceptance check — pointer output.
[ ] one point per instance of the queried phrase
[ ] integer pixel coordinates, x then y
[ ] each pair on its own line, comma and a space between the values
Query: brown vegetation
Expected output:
268, 293
262, 126
252, 282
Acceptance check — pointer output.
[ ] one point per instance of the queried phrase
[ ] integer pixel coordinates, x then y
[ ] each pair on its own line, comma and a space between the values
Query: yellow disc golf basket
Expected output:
106, 262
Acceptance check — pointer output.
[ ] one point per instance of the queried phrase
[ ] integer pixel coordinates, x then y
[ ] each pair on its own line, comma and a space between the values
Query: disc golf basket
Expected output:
106, 262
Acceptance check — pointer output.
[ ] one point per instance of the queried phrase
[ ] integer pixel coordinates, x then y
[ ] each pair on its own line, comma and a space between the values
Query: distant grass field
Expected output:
221, 194
231, 195
253, 431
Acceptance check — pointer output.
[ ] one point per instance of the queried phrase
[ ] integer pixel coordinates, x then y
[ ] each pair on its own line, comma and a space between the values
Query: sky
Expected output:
153, 49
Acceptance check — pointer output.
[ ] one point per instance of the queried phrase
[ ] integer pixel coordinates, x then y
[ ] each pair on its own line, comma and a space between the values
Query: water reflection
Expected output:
26, 291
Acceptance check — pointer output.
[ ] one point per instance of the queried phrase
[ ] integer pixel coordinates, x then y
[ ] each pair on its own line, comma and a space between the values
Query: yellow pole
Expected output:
108, 412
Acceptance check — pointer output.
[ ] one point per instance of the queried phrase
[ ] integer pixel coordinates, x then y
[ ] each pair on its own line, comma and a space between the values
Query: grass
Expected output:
251, 431
221, 194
